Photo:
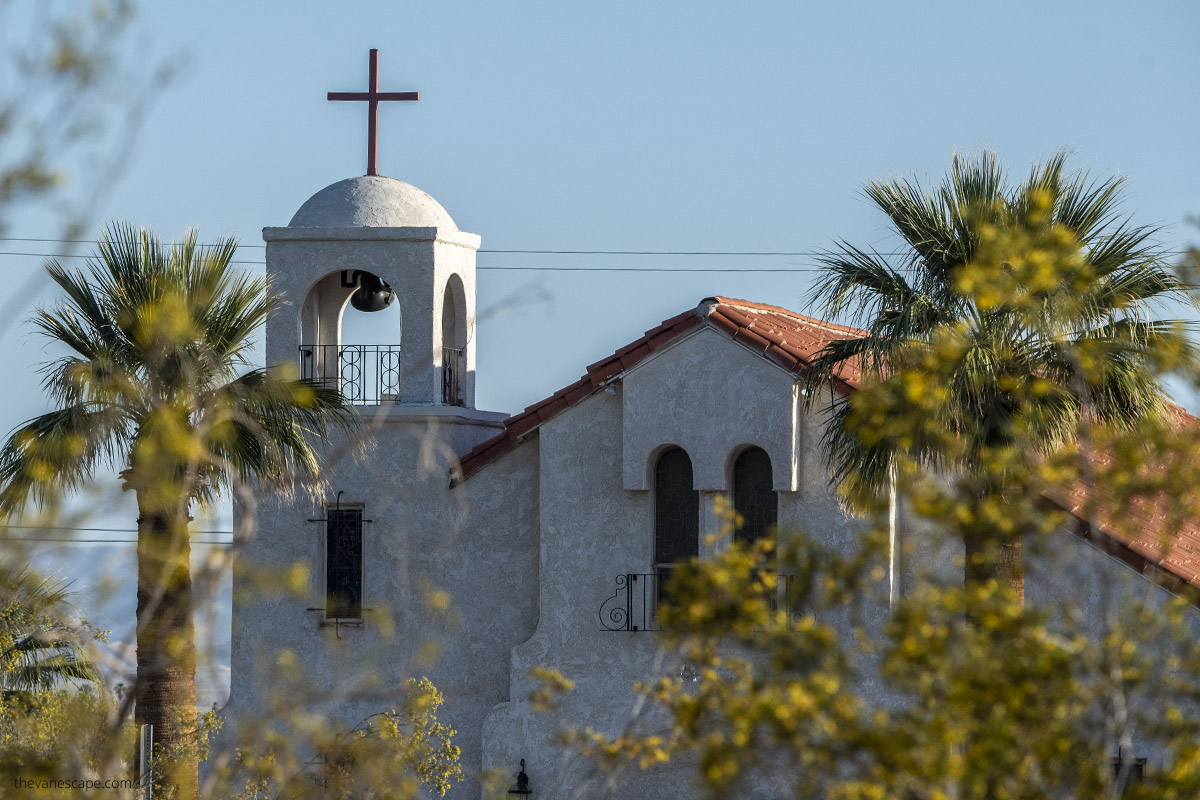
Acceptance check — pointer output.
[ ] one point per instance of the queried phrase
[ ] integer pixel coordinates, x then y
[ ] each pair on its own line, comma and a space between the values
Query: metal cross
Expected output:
373, 96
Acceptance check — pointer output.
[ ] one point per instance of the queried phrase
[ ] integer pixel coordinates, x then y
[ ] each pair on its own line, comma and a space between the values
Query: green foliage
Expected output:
1051, 322
395, 754
959, 691
156, 382
55, 735
69, 78
39, 647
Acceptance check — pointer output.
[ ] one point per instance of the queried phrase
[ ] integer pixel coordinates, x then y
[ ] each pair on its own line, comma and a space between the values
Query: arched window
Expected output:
352, 345
753, 497
676, 514
454, 343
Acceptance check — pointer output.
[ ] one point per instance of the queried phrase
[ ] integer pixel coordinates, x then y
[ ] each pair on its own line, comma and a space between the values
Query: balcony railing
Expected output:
634, 604
365, 374
453, 367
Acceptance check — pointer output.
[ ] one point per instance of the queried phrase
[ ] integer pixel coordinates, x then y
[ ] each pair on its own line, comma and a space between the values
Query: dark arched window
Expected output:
454, 343
676, 512
753, 497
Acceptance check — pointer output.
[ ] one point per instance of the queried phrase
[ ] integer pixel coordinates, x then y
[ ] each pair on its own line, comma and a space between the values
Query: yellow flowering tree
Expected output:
156, 382
1053, 323
956, 691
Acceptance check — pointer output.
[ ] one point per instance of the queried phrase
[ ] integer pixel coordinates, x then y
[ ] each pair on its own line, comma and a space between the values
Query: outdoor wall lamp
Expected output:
521, 787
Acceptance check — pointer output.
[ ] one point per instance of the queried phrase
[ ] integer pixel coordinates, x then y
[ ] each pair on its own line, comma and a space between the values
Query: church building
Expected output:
550, 530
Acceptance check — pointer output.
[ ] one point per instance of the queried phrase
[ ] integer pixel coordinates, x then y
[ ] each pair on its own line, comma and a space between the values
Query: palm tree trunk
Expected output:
166, 651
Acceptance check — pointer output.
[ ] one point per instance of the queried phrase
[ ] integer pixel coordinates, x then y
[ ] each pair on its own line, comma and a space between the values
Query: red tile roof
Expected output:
1139, 534
787, 338
792, 340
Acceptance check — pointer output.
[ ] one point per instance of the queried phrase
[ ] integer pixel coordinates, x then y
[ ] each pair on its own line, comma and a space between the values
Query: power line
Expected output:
537, 252
95, 541
810, 253
487, 250
682, 270
654, 269
538, 269
87, 530
80, 255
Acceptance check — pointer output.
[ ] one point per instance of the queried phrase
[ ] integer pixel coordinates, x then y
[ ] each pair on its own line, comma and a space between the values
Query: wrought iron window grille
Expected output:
1131, 770
336, 620
754, 499
337, 623
634, 604
676, 509
453, 372
365, 374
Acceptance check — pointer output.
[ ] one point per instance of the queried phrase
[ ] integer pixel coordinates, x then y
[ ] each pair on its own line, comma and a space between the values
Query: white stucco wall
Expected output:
529, 547
711, 396
415, 262
675, 397
478, 543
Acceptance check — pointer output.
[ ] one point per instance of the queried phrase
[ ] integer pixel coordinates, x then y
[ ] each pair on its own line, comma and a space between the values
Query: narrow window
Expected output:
753, 498
1128, 770
454, 341
343, 563
676, 515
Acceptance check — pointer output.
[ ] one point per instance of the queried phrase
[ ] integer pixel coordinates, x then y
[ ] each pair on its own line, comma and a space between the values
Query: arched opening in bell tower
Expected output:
454, 343
350, 332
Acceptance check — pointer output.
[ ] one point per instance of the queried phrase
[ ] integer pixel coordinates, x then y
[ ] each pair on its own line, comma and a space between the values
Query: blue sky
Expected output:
633, 126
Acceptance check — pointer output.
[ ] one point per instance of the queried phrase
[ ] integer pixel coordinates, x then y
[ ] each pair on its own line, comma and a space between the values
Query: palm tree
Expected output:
157, 383
906, 300
39, 648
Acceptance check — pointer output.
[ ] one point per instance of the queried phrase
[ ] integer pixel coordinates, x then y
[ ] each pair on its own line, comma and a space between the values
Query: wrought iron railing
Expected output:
365, 374
635, 603
453, 367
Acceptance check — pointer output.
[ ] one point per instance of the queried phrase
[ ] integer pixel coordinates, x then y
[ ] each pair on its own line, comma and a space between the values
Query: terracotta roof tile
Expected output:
724, 323
516, 426
787, 338
1141, 530
792, 340
597, 374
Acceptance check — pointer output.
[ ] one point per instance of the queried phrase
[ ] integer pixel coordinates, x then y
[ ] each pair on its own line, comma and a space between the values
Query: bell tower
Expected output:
377, 301
373, 244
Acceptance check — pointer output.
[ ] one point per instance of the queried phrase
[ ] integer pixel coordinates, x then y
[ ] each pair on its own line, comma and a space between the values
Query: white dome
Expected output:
371, 201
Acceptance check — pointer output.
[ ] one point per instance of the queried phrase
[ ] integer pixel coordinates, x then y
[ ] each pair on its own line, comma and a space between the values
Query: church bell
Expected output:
372, 294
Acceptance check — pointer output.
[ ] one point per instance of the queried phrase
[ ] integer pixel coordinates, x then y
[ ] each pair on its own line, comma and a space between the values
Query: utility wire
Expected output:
96, 541
653, 269
86, 530
767, 253
571, 269
486, 250
539, 269
682, 270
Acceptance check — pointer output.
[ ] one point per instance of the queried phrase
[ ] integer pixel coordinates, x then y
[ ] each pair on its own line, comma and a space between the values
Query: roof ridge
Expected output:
790, 347
816, 322
734, 318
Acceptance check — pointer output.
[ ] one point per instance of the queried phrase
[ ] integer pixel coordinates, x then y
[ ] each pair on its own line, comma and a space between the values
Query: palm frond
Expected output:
58, 451
265, 429
907, 303
39, 648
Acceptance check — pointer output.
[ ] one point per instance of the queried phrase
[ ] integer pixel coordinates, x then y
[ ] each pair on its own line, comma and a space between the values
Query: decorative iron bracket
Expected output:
337, 622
